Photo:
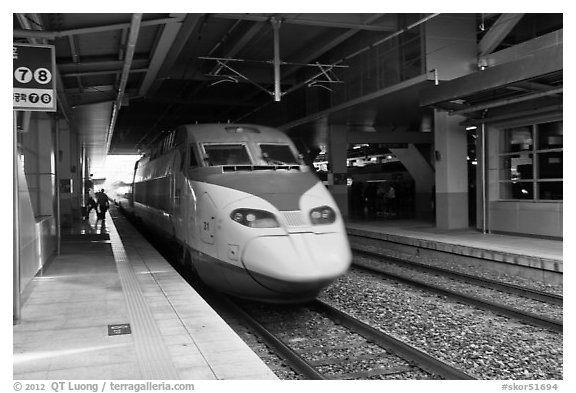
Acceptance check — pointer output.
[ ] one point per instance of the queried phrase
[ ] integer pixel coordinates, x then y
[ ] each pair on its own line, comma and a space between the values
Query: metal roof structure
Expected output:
122, 78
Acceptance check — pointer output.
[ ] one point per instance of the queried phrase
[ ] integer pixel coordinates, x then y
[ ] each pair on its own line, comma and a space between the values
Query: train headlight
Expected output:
322, 215
254, 218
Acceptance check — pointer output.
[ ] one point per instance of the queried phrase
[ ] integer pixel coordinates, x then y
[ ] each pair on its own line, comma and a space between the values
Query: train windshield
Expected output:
227, 154
278, 154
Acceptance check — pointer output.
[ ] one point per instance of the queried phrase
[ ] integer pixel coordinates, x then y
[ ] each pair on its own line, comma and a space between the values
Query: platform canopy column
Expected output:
451, 51
337, 172
423, 175
451, 172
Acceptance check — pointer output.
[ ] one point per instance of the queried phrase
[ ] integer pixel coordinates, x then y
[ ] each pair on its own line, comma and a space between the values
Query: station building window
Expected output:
530, 162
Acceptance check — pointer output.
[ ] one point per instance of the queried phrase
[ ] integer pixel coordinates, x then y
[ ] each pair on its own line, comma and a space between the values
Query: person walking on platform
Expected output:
103, 204
90, 202
391, 206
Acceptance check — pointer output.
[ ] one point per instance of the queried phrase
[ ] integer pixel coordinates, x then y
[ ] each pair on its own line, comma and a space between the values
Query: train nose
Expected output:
297, 263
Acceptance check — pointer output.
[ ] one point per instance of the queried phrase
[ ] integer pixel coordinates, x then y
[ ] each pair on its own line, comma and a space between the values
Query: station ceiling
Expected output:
123, 78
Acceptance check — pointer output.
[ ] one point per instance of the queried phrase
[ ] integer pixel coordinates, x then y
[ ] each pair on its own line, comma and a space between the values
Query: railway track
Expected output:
550, 298
356, 350
480, 302
320, 342
292, 353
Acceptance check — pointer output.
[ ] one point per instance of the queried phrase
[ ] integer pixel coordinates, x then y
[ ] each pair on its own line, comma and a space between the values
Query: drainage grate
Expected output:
119, 329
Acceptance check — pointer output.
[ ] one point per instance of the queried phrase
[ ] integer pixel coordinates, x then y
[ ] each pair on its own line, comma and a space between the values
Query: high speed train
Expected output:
249, 217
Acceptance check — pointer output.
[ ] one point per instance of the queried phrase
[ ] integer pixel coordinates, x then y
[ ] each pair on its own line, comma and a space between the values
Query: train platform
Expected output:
543, 256
111, 307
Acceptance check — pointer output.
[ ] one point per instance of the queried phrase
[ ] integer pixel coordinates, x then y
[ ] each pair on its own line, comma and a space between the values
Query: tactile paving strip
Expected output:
153, 356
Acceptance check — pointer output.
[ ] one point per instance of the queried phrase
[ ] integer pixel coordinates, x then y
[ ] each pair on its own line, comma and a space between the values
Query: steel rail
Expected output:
220, 301
421, 359
523, 316
405, 351
485, 282
402, 349
288, 354
305, 368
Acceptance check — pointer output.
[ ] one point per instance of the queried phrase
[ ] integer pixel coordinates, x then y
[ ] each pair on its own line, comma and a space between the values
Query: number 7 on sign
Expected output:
23, 74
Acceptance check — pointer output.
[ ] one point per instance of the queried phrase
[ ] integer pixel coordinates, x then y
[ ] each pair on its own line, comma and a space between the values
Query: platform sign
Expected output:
34, 78
119, 329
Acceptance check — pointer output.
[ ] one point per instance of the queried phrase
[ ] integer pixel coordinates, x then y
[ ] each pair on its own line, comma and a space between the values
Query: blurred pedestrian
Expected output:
103, 203
90, 203
391, 201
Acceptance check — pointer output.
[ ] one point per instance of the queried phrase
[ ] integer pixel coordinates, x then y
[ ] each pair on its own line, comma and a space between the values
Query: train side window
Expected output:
193, 160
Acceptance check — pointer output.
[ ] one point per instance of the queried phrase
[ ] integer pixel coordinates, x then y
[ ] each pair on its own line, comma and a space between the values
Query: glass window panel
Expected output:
550, 165
277, 154
550, 190
516, 167
550, 135
227, 154
518, 139
517, 190
524, 174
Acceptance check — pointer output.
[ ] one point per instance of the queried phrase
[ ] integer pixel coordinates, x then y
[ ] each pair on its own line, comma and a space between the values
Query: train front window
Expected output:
278, 155
226, 154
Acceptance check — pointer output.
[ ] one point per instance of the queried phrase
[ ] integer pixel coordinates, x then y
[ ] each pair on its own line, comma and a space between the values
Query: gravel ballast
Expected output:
479, 342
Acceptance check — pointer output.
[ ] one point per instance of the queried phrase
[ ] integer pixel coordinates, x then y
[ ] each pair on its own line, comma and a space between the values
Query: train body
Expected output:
250, 218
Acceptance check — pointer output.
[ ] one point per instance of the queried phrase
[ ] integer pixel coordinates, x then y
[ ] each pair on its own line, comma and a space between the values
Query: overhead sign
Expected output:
34, 78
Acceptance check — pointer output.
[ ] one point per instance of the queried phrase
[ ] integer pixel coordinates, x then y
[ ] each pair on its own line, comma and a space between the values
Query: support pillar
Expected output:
338, 173
451, 172
16, 299
423, 175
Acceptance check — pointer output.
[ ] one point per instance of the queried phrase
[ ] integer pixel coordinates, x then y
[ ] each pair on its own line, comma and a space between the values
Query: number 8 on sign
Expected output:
42, 76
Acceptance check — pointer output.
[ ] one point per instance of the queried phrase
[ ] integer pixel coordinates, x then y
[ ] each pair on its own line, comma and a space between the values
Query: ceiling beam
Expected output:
244, 39
312, 53
235, 48
543, 62
508, 101
99, 65
307, 22
501, 28
53, 34
190, 24
523, 49
130, 47
315, 52
529, 86
106, 72
487, 118
221, 101
75, 57
356, 53
161, 48
102, 89
419, 81
261, 76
